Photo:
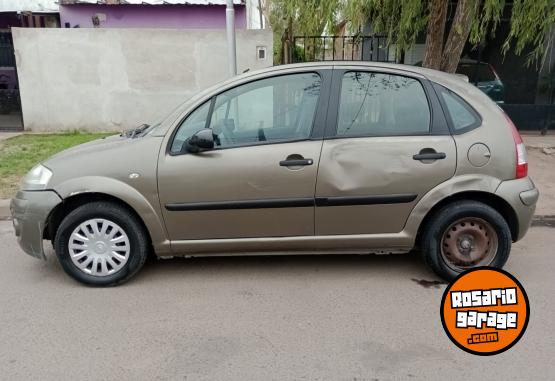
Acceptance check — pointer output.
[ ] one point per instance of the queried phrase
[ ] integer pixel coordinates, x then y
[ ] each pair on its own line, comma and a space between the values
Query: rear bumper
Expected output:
522, 195
30, 211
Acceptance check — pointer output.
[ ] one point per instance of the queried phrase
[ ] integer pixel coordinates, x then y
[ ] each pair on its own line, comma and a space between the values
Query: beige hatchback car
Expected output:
317, 158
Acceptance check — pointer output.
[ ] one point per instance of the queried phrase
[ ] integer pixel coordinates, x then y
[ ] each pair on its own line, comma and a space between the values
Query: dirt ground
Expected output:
541, 157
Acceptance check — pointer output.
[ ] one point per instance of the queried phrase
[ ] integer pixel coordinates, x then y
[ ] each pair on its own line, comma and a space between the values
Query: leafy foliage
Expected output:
531, 26
307, 17
531, 22
402, 21
487, 21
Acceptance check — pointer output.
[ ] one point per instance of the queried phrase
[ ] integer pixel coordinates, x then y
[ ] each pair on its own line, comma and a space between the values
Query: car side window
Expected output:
270, 110
378, 104
463, 116
195, 122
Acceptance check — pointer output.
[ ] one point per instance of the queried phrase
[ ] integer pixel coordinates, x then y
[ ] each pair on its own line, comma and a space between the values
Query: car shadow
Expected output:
406, 267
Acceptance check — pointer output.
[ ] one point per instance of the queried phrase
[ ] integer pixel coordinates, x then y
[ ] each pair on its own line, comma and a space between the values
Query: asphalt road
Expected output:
258, 318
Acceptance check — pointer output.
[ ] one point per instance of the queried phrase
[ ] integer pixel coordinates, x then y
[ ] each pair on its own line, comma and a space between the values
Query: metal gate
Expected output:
10, 103
343, 48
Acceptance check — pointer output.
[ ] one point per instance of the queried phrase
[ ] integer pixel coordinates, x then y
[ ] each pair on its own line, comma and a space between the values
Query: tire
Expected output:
436, 241
110, 219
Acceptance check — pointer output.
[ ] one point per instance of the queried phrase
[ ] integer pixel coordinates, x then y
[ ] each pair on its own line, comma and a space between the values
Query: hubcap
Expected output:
99, 247
469, 242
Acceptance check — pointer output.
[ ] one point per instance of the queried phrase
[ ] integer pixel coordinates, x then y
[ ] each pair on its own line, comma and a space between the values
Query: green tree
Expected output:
403, 20
288, 18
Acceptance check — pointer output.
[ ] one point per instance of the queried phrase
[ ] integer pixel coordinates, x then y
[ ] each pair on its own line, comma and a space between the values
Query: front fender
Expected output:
147, 206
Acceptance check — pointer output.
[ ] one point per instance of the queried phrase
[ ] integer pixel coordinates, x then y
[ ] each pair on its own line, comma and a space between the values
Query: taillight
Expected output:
521, 157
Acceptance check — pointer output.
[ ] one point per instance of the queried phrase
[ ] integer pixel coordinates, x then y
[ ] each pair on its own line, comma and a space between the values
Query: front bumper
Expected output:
522, 195
30, 210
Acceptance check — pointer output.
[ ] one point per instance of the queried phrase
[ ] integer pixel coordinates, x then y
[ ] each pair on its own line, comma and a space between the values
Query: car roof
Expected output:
338, 64
446, 79
349, 64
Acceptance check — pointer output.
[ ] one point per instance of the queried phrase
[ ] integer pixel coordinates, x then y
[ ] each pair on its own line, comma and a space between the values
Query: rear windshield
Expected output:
477, 73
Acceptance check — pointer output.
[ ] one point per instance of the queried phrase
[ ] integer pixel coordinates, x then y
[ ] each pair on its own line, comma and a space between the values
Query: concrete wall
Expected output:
147, 16
113, 79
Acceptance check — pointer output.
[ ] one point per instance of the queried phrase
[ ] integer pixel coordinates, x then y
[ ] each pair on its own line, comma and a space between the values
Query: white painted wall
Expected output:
113, 79
415, 54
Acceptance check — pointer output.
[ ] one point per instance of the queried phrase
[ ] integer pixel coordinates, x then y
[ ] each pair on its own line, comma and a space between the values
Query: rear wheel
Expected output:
464, 235
101, 244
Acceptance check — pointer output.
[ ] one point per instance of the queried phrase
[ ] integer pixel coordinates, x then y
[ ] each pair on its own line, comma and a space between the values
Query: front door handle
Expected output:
429, 154
296, 162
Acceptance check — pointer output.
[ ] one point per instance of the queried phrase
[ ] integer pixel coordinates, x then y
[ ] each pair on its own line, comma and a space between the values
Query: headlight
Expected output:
37, 178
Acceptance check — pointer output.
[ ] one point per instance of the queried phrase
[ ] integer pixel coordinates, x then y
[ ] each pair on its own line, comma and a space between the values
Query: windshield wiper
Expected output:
135, 132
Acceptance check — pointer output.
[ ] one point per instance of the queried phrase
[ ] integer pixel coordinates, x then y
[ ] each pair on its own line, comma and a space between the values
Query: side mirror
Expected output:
202, 140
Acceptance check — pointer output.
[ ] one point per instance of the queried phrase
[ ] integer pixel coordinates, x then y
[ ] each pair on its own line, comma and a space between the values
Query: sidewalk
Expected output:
541, 158
7, 135
5, 204
537, 141
5, 210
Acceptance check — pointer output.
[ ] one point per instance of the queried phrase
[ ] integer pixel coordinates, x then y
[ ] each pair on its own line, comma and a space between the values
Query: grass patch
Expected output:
19, 154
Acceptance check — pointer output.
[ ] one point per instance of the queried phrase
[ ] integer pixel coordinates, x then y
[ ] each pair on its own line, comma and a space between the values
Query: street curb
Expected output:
540, 146
545, 221
5, 209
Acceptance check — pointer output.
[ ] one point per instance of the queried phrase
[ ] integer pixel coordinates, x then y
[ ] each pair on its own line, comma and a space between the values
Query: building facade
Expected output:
175, 14
26, 14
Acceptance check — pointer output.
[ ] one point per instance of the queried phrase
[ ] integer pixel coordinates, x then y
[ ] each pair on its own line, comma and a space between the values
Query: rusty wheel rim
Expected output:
469, 242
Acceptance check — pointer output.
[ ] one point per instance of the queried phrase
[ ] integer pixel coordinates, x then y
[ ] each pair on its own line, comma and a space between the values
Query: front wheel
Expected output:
464, 235
101, 244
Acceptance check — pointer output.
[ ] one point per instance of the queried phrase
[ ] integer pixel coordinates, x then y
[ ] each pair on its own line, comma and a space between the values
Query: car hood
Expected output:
112, 157
95, 146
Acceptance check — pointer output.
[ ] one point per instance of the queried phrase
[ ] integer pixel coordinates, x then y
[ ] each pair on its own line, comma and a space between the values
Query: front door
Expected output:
388, 146
259, 180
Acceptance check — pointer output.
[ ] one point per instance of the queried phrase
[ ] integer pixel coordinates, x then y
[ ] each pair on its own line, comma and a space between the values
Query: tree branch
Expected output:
458, 35
435, 33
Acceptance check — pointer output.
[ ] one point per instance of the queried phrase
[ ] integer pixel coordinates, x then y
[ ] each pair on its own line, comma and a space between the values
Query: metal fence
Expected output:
10, 103
6, 55
532, 117
345, 48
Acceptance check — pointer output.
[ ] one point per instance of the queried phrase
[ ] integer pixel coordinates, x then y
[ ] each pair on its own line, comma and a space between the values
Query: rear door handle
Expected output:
296, 162
429, 154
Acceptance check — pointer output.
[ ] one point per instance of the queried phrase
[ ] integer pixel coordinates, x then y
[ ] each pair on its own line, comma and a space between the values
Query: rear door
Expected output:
387, 144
